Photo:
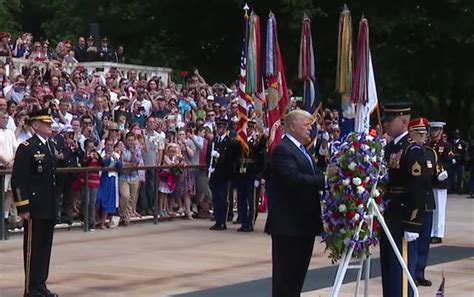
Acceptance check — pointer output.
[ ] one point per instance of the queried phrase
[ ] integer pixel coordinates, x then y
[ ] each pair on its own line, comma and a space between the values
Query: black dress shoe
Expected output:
217, 227
436, 240
424, 282
48, 293
243, 229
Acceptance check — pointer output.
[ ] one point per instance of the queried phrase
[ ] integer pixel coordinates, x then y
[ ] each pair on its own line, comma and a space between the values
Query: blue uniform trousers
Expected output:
393, 282
423, 245
220, 201
246, 201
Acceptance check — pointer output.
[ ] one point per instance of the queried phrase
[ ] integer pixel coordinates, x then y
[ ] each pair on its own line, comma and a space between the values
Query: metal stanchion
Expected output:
86, 202
156, 198
2, 204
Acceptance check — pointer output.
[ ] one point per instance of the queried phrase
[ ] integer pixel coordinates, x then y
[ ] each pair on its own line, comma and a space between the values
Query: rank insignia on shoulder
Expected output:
25, 143
416, 169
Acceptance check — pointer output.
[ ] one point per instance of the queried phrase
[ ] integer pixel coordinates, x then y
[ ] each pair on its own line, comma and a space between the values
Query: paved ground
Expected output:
184, 258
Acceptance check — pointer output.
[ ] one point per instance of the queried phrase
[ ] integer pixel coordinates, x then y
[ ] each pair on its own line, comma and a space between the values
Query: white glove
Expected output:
325, 136
454, 161
215, 154
211, 170
256, 184
410, 236
443, 176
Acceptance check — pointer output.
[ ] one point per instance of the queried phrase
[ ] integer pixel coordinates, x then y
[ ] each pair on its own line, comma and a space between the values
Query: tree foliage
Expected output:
422, 50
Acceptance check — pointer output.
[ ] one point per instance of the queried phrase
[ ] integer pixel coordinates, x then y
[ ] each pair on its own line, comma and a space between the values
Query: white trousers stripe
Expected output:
439, 214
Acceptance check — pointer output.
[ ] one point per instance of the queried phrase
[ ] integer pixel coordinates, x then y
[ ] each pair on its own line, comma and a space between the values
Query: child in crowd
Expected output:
167, 180
107, 195
92, 159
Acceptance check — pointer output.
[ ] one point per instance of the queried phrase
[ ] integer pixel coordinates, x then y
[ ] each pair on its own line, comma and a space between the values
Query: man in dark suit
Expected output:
33, 184
294, 217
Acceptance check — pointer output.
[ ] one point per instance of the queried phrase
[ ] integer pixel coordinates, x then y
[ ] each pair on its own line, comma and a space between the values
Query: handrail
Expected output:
87, 170
112, 169
148, 72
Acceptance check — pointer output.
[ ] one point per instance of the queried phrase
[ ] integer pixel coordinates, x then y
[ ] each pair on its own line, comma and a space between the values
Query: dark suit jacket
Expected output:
293, 194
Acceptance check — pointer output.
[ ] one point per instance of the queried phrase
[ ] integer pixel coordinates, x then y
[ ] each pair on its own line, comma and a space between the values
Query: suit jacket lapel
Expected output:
297, 151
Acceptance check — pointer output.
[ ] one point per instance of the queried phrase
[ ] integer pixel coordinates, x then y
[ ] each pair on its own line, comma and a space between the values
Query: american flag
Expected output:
440, 292
243, 97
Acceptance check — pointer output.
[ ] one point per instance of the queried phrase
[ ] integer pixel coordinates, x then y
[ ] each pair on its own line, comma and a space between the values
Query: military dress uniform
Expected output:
33, 184
250, 172
429, 177
405, 206
220, 175
445, 158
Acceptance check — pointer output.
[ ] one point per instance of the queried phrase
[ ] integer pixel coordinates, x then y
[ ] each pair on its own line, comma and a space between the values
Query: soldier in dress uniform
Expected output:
106, 53
91, 52
33, 183
405, 199
418, 132
445, 158
222, 152
248, 178
460, 148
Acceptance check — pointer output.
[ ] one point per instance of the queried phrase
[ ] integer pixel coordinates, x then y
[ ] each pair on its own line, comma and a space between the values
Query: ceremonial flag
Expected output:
344, 71
364, 92
243, 97
277, 98
307, 73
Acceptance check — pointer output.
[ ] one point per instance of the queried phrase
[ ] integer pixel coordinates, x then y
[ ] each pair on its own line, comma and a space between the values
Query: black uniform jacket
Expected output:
406, 193
34, 179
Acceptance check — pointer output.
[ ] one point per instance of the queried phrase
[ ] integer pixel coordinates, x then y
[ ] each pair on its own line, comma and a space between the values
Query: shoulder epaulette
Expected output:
25, 143
433, 151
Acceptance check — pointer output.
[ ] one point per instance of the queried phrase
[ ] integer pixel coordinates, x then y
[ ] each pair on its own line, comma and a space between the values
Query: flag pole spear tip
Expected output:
246, 7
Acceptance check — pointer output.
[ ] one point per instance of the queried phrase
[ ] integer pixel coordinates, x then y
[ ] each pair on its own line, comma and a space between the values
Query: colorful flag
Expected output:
344, 71
440, 292
364, 92
307, 73
277, 98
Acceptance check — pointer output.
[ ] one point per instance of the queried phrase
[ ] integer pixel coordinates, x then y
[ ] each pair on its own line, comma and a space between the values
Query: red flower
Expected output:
336, 215
356, 145
359, 201
350, 214
184, 74
348, 173
379, 199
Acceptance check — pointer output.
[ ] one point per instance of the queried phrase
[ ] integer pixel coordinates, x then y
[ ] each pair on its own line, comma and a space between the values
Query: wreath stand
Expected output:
373, 211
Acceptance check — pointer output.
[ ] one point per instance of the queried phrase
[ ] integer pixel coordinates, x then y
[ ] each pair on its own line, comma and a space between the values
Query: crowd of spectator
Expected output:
114, 120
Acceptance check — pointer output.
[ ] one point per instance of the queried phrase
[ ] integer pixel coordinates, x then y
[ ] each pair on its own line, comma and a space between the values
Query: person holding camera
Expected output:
92, 158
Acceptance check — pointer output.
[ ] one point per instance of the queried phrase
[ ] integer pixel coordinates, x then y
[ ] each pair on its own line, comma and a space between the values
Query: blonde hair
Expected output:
294, 116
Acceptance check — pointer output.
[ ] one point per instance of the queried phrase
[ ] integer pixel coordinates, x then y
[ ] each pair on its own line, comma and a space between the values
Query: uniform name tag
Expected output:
39, 156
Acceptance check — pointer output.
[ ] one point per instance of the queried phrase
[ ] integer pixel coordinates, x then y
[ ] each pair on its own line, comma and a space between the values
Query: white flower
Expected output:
365, 147
352, 166
373, 159
372, 151
360, 206
366, 158
356, 181
352, 150
369, 137
360, 190
342, 208
342, 231
367, 179
356, 217
376, 193
346, 182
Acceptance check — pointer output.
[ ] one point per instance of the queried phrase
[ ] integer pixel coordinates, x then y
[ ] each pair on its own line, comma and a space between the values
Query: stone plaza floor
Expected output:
183, 258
